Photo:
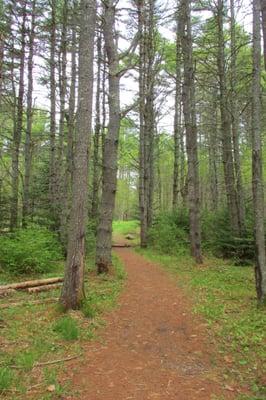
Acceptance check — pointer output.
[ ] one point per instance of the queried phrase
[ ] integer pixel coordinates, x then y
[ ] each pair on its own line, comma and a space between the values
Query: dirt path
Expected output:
152, 347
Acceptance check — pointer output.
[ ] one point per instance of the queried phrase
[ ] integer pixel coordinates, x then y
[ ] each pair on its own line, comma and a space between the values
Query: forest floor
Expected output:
153, 345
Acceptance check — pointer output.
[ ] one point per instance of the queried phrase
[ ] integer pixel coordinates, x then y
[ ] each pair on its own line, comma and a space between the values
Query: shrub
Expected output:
31, 250
169, 233
67, 328
218, 237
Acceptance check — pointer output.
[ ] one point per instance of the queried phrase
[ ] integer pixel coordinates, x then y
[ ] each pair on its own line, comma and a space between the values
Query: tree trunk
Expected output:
191, 132
227, 150
257, 175
52, 62
73, 287
147, 73
18, 127
235, 125
97, 133
263, 14
177, 122
104, 231
28, 142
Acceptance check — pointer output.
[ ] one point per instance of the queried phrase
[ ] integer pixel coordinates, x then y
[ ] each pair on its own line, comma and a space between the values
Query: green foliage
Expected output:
6, 378
31, 250
67, 328
219, 238
91, 236
169, 233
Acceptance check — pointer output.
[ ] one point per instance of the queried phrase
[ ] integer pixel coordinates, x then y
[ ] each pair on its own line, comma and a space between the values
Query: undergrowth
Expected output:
37, 334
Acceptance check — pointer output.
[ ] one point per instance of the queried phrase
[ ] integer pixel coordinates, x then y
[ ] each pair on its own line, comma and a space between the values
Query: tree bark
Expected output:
52, 62
18, 126
177, 122
97, 133
28, 140
73, 288
235, 124
191, 132
227, 150
263, 14
104, 231
257, 174
147, 73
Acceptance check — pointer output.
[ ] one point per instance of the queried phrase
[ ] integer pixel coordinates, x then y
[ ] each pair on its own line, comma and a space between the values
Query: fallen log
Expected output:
121, 245
28, 303
43, 288
27, 284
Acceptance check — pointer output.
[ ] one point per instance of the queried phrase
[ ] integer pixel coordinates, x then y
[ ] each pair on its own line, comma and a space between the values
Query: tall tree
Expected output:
52, 65
227, 150
235, 122
257, 176
147, 72
73, 288
28, 134
177, 115
188, 96
97, 132
104, 231
19, 121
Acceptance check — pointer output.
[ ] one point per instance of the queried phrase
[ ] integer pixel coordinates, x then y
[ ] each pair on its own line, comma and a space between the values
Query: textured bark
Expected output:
235, 124
97, 133
104, 231
257, 175
62, 167
28, 141
142, 175
177, 119
263, 14
52, 62
2, 36
147, 71
27, 284
227, 150
18, 127
188, 96
67, 178
73, 287
213, 155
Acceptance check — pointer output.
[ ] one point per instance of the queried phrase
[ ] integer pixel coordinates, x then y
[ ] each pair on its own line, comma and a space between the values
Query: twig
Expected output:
56, 361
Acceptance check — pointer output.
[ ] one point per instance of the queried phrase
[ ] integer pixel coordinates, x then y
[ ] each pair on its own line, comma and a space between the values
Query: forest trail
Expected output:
152, 347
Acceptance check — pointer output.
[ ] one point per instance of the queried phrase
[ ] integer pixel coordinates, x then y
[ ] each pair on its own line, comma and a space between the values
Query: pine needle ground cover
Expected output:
34, 336
224, 294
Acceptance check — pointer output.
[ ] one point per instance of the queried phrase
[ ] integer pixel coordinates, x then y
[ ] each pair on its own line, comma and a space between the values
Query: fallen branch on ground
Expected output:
27, 284
44, 288
121, 245
41, 364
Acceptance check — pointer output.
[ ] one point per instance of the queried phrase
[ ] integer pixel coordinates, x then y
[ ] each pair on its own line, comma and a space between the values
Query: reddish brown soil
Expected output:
152, 347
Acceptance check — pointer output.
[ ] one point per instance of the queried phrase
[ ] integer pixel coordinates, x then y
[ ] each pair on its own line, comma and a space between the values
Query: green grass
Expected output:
67, 328
32, 334
225, 295
6, 379
125, 227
